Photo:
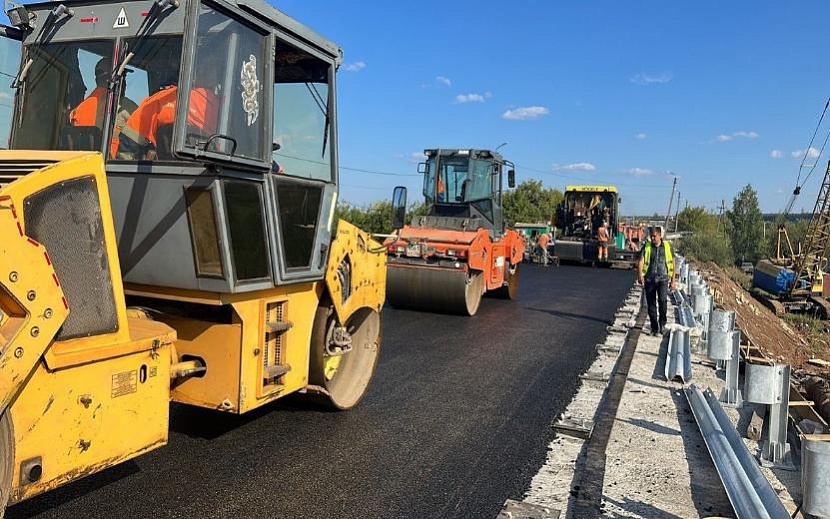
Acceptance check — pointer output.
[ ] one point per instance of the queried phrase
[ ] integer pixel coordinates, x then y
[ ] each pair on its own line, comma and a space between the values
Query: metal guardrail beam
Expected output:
748, 490
679, 356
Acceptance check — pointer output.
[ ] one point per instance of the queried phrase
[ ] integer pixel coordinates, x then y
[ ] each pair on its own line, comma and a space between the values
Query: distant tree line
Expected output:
741, 234
529, 202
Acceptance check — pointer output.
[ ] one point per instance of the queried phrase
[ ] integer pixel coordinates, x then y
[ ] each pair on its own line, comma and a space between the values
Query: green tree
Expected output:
708, 246
530, 202
696, 219
375, 218
746, 226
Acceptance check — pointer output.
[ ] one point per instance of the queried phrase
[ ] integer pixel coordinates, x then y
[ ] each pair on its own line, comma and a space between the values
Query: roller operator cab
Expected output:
578, 218
445, 261
166, 214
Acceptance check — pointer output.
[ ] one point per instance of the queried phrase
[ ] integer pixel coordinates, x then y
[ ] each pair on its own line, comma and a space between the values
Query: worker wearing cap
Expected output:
91, 111
656, 274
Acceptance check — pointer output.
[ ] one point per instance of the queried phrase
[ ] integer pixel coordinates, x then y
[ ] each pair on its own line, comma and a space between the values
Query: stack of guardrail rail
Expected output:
768, 384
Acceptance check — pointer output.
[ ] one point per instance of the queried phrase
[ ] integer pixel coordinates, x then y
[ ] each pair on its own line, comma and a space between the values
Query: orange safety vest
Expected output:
160, 110
440, 185
90, 112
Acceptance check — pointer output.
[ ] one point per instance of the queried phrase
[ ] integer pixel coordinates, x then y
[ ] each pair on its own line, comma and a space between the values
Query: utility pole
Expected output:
677, 210
671, 199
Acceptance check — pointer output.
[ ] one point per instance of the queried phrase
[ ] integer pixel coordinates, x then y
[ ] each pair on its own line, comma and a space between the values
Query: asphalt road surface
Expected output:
457, 420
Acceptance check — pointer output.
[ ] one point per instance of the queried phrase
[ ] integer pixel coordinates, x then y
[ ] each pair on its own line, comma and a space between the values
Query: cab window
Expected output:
143, 123
63, 96
479, 186
302, 114
226, 108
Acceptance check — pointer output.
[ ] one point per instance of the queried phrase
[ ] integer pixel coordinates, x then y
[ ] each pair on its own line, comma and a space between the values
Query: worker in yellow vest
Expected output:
656, 274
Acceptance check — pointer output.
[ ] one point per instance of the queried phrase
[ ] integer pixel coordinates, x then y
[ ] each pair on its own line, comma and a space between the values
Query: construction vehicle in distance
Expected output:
582, 211
797, 286
445, 261
143, 264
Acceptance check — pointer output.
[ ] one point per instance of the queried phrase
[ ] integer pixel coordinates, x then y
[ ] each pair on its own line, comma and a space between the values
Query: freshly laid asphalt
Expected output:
457, 420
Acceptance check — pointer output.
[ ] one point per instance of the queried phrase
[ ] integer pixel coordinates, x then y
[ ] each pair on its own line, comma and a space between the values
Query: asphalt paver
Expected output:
457, 420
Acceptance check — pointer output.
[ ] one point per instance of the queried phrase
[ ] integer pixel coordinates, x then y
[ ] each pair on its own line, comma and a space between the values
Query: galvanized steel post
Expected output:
770, 385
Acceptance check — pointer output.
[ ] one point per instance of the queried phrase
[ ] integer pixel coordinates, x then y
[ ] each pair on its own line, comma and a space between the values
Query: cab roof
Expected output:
591, 189
258, 9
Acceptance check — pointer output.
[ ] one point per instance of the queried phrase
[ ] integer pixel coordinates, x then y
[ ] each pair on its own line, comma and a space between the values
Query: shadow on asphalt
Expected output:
207, 424
67, 493
569, 315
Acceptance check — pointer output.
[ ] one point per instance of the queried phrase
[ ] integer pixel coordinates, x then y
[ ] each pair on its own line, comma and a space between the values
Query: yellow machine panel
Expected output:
76, 421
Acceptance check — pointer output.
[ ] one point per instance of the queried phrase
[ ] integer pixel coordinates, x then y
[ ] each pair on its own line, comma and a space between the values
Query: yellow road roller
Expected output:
166, 230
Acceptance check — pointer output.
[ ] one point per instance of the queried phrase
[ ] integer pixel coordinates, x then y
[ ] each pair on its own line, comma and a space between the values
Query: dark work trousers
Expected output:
657, 294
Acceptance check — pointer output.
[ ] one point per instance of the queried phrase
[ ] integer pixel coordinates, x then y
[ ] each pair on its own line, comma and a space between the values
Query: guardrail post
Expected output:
770, 385
815, 477
723, 345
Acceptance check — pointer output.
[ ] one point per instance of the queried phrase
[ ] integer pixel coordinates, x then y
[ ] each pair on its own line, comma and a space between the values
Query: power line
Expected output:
347, 168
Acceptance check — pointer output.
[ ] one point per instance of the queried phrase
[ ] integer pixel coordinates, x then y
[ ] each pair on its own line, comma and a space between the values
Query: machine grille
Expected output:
66, 219
12, 169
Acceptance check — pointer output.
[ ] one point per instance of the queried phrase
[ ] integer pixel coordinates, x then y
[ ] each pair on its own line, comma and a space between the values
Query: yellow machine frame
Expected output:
71, 408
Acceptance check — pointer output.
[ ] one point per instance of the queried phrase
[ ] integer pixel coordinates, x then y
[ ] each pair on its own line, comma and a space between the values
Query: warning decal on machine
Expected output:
124, 383
121, 21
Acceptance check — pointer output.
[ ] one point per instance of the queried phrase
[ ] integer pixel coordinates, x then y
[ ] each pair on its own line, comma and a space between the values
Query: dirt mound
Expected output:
775, 338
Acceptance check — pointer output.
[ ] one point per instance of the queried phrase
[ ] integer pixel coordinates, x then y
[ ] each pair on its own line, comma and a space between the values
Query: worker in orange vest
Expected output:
91, 111
139, 138
603, 237
542, 243
441, 189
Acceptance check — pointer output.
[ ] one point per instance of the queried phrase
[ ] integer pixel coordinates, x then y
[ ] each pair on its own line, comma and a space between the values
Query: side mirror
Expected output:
511, 178
422, 167
619, 200
398, 207
275, 146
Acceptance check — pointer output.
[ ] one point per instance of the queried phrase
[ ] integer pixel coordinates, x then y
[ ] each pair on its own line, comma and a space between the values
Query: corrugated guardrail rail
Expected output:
750, 493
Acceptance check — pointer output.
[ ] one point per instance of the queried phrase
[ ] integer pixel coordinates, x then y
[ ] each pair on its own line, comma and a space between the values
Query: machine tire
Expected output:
356, 369
6, 460
511, 289
473, 291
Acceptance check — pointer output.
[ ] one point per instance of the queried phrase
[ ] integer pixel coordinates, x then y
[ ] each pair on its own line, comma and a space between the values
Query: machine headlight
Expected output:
451, 252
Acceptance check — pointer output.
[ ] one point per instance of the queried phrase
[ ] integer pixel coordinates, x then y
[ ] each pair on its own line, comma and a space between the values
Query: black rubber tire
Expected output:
511, 289
357, 368
6, 460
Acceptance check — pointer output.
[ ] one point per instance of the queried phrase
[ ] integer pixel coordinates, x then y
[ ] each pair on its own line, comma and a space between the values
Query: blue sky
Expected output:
622, 92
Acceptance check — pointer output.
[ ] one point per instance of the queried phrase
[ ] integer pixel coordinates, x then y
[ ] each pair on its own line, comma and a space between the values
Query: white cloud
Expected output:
357, 66
748, 135
811, 153
776, 154
731, 137
417, 157
469, 98
524, 113
441, 80
641, 136
649, 79
472, 98
577, 166
639, 172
